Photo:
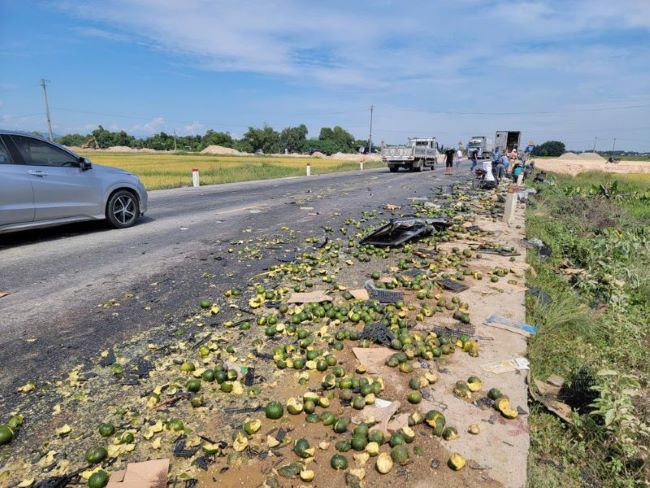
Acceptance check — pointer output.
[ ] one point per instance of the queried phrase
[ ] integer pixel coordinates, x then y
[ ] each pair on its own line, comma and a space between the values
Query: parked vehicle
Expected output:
43, 184
419, 153
507, 140
482, 145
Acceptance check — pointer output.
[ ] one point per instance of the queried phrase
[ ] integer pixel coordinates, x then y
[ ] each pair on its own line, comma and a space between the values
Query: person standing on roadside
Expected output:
505, 161
474, 161
459, 156
513, 157
500, 169
495, 155
449, 160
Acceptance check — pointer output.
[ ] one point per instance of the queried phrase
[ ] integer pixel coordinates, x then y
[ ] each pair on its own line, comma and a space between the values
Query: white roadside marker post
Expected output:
195, 177
509, 211
308, 169
361, 165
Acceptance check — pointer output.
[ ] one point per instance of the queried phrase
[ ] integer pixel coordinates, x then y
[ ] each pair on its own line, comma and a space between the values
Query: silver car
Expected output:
44, 184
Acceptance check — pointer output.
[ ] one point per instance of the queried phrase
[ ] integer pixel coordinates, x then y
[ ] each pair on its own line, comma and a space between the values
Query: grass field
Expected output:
162, 170
591, 301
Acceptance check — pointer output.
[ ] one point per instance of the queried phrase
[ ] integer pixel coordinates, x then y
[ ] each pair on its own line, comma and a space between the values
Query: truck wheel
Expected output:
393, 169
418, 166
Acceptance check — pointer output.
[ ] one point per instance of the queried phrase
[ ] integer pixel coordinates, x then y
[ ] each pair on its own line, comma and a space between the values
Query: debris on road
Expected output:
400, 231
511, 325
148, 474
507, 366
300, 374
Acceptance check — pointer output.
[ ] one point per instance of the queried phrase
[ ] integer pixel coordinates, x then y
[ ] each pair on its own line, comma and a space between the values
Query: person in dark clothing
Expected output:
474, 160
449, 160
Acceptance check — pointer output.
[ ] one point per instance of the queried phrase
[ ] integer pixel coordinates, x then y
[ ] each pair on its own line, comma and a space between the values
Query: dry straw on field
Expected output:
168, 170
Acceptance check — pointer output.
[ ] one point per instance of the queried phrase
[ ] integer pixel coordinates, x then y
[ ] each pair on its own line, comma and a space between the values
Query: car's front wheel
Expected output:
122, 209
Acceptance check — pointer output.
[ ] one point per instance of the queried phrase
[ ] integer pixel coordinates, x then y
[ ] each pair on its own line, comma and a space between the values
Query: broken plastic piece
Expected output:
180, 451
400, 231
452, 285
377, 333
383, 296
511, 325
499, 251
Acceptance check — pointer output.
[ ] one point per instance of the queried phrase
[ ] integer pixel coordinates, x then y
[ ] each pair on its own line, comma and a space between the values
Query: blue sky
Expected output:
570, 70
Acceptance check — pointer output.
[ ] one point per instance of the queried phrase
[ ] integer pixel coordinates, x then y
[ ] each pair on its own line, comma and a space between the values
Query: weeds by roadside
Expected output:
591, 301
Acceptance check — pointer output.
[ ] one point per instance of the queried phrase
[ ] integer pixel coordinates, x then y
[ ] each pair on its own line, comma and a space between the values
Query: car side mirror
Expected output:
84, 164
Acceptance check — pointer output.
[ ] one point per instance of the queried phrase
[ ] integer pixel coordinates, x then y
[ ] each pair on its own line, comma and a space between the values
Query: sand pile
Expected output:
585, 156
569, 156
356, 157
590, 156
120, 149
573, 166
317, 154
216, 149
127, 149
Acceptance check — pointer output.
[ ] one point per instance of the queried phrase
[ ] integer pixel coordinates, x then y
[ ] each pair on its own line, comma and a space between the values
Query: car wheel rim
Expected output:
124, 209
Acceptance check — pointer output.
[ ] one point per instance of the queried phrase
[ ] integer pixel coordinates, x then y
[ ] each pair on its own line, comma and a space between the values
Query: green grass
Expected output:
598, 293
164, 170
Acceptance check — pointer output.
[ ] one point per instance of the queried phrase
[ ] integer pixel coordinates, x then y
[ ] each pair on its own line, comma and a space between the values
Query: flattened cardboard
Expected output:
381, 415
315, 296
360, 294
372, 358
148, 474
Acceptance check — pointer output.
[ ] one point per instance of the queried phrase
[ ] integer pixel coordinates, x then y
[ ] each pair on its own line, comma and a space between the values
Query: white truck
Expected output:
482, 145
419, 153
507, 139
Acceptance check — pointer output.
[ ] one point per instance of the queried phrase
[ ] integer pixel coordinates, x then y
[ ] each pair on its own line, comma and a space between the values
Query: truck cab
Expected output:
481, 145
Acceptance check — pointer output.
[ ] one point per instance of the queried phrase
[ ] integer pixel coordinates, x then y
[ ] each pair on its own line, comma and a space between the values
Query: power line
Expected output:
543, 112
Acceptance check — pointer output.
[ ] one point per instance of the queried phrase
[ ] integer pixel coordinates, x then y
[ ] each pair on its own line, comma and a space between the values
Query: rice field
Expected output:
165, 170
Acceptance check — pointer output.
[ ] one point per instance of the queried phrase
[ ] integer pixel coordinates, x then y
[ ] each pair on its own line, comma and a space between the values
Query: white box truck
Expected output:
507, 139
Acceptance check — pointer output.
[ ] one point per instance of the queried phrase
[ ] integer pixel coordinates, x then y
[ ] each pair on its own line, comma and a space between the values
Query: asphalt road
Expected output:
58, 278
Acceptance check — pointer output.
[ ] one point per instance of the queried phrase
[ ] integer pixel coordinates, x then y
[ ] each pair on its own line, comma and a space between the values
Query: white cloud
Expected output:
461, 56
194, 128
102, 34
351, 44
151, 127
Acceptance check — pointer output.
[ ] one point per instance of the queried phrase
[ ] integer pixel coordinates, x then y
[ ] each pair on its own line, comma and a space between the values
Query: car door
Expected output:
16, 192
61, 188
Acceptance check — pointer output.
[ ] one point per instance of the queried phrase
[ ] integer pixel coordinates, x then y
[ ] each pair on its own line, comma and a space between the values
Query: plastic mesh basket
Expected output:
384, 296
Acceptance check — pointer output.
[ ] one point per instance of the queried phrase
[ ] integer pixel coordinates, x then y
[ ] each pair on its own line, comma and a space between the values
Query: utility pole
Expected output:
47, 106
613, 145
595, 142
174, 140
372, 107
